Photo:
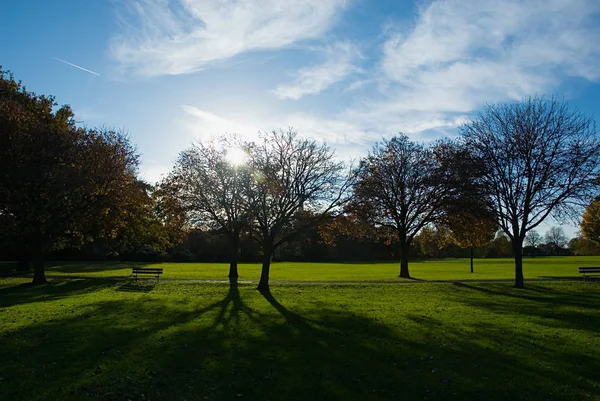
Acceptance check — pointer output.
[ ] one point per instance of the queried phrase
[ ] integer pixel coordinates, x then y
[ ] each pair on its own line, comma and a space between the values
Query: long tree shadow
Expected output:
54, 289
556, 306
221, 343
144, 286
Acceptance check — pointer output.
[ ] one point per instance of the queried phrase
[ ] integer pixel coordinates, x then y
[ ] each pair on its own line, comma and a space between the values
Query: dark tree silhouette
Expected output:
540, 158
209, 186
533, 238
57, 181
556, 237
296, 184
405, 186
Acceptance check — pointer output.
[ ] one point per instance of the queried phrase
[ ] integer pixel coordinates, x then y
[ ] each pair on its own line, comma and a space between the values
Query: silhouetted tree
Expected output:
533, 238
209, 185
556, 237
57, 182
540, 158
404, 186
296, 183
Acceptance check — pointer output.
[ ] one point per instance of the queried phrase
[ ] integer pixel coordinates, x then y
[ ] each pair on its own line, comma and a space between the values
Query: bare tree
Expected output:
556, 236
404, 186
541, 159
208, 181
533, 238
296, 184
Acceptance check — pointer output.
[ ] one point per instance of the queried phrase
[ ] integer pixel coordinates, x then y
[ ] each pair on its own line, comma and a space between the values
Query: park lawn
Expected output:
442, 269
101, 339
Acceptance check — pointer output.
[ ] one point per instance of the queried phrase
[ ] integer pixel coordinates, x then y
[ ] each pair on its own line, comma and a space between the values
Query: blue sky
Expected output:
346, 71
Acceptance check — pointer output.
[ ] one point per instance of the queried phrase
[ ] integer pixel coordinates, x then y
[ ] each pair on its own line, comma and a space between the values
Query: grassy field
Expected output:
446, 269
101, 339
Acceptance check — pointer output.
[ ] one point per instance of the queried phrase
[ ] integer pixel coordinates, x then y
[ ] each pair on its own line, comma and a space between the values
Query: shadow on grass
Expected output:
89, 267
53, 290
562, 278
137, 286
570, 306
248, 346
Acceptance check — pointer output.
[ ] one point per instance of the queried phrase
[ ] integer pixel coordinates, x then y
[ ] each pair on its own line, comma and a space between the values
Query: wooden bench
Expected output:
147, 270
587, 270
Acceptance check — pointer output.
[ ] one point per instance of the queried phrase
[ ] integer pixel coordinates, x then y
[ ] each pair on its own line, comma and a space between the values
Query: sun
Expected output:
236, 156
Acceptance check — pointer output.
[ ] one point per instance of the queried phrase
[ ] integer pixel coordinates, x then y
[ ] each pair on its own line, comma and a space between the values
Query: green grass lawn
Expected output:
446, 269
101, 339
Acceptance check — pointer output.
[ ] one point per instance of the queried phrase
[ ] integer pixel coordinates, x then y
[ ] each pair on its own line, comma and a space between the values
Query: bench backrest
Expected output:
589, 270
147, 270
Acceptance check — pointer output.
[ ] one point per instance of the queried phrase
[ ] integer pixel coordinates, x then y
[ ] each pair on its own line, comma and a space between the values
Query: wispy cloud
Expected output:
76, 66
205, 124
461, 54
161, 37
340, 63
458, 56
454, 57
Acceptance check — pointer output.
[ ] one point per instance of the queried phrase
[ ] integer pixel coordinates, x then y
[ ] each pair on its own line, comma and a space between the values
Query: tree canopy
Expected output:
404, 186
58, 182
296, 183
209, 187
540, 159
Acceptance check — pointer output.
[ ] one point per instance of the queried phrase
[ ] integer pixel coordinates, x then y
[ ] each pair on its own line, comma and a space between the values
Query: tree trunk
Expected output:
518, 251
404, 260
263, 284
39, 276
233, 269
471, 259
233, 261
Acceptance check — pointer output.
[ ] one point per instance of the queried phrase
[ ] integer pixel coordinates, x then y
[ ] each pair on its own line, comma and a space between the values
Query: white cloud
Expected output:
458, 55
339, 64
462, 54
350, 133
162, 37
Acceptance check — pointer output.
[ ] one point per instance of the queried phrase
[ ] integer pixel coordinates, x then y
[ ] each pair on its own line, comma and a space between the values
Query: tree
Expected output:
432, 238
471, 228
532, 241
57, 182
499, 247
296, 184
540, 159
135, 222
533, 238
208, 180
404, 186
590, 222
581, 246
556, 237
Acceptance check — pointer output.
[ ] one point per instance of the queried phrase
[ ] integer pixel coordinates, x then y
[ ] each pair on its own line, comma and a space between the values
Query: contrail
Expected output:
76, 66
